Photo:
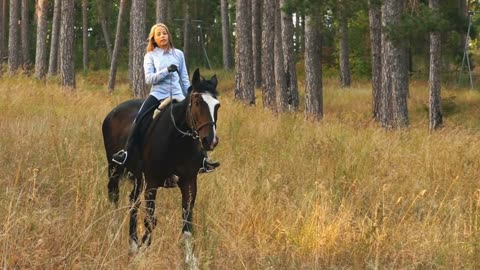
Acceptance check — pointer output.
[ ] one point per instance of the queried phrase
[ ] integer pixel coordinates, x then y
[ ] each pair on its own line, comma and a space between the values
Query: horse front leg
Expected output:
150, 220
189, 192
134, 205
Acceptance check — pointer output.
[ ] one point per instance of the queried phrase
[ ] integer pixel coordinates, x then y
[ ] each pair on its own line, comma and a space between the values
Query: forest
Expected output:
349, 134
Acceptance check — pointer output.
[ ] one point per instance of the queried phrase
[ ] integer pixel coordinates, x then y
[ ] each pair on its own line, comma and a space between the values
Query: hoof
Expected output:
190, 258
133, 247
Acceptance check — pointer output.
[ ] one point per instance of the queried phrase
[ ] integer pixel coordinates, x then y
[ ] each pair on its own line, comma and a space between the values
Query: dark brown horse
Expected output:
172, 144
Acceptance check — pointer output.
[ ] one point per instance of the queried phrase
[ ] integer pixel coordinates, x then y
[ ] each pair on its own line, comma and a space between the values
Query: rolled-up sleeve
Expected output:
152, 76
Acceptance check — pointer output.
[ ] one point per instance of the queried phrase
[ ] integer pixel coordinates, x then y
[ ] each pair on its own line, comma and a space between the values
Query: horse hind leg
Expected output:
150, 220
114, 174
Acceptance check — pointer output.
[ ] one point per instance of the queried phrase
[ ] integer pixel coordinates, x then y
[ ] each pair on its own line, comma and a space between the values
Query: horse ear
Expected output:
196, 78
214, 80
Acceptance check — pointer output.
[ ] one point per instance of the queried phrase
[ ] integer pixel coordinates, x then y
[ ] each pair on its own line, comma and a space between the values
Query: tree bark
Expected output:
130, 49
53, 60
435, 109
344, 50
116, 48
41, 48
25, 33
313, 70
67, 65
289, 59
162, 11
462, 12
244, 84
226, 36
394, 70
137, 20
186, 31
375, 18
106, 33
268, 63
14, 37
256, 41
280, 80
3, 30
85, 34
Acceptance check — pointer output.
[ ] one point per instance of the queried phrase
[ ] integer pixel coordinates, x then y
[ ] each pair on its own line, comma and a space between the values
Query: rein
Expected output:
193, 134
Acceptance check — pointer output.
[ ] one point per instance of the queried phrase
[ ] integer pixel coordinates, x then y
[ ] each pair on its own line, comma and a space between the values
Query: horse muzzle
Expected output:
209, 144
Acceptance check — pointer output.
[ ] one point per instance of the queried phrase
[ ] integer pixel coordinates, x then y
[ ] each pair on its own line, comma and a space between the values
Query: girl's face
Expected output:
161, 37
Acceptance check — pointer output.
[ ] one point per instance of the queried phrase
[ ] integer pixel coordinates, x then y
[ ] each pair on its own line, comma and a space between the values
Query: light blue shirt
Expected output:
163, 82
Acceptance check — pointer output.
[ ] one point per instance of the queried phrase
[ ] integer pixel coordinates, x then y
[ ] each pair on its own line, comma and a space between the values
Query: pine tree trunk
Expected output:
394, 70
41, 48
25, 33
226, 36
162, 11
85, 34
3, 30
280, 79
268, 63
344, 51
186, 32
375, 17
116, 48
462, 13
256, 41
137, 20
289, 59
53, 60
244, 84
435, 110
103, 24
130, 49
313, 69
67, 65
14, 37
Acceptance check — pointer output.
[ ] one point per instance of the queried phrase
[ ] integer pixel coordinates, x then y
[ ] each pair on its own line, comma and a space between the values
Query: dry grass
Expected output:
290, 194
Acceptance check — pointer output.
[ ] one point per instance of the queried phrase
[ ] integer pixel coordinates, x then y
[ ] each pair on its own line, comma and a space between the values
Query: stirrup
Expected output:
208, 166
118, 155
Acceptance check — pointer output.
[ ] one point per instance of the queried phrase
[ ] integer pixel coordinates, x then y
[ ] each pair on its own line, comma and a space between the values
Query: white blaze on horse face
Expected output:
212, 102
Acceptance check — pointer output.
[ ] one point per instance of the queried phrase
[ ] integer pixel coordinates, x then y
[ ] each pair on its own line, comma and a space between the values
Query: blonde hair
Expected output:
151, 37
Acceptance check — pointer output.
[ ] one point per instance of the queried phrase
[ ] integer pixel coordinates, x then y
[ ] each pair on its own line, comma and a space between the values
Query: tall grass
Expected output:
290, 193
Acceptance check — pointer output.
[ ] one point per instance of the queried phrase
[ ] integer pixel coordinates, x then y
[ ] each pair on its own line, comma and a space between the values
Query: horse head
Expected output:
203, 109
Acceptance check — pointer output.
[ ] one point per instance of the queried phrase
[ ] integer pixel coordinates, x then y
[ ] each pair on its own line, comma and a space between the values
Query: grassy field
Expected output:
290, 194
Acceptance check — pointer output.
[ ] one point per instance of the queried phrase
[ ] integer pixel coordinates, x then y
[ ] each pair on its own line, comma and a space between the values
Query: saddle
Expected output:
163, 105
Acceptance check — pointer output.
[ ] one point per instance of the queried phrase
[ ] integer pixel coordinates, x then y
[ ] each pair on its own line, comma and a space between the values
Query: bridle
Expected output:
194, 128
